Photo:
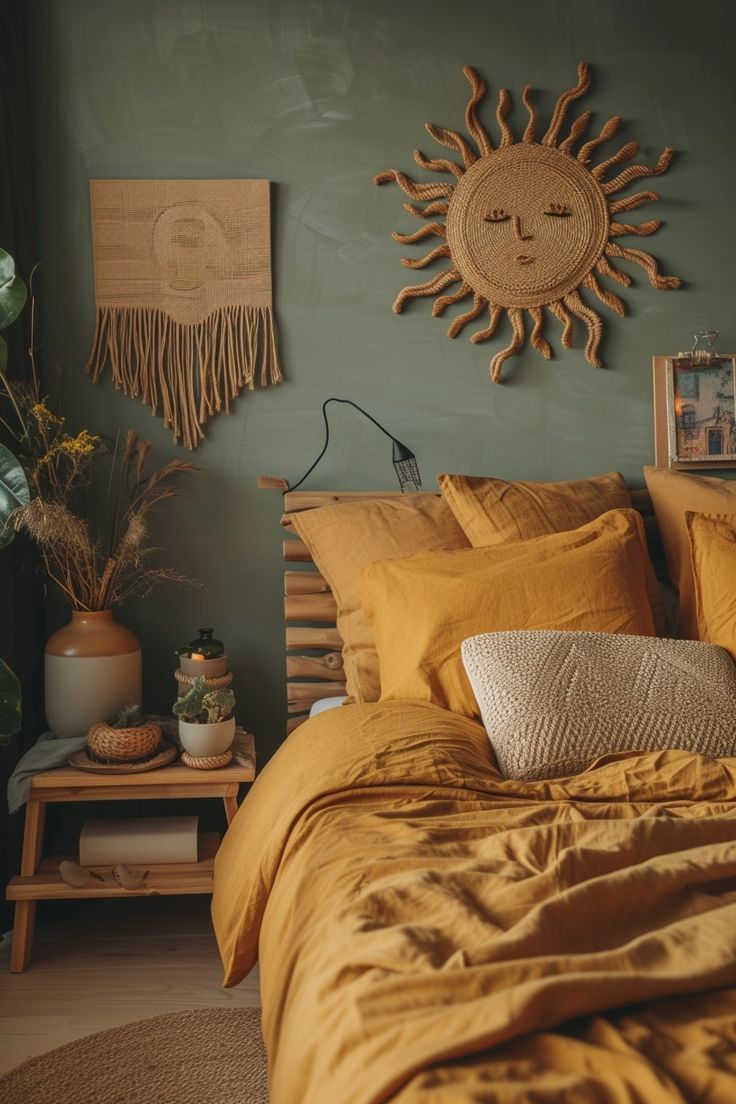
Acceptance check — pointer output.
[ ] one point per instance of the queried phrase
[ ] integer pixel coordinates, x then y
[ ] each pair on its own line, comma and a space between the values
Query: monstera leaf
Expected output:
14, 492
13, 292
10, 715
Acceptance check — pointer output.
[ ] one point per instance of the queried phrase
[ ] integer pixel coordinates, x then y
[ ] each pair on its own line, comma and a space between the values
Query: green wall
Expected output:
317, 97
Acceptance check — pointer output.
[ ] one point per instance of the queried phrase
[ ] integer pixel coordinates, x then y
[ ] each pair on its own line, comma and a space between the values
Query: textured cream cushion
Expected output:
552, 702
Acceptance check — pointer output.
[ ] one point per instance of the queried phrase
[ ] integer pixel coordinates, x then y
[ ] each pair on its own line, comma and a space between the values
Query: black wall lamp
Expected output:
404, 460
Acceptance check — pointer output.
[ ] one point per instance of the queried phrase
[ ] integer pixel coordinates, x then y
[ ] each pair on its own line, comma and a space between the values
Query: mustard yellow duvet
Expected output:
429, 932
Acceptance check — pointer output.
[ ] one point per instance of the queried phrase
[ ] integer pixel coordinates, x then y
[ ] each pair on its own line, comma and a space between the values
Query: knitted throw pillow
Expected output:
552, 702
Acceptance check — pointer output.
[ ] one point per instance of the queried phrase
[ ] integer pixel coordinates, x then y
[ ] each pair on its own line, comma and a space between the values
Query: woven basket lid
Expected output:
504, 235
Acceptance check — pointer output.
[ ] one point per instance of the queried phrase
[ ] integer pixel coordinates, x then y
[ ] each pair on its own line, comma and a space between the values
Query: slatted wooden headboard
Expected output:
314, 667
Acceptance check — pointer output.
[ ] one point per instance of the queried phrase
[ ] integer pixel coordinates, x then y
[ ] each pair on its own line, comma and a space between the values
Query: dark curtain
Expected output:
22, 629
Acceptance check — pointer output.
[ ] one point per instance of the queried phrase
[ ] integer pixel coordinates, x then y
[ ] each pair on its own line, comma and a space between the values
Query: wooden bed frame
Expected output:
314, 666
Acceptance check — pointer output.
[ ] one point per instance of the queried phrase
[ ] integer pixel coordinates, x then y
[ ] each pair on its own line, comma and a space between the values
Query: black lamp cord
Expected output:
325, 404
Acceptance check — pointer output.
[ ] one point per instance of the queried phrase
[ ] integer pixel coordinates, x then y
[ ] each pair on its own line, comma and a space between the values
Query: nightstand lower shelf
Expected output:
164, 879
39, 878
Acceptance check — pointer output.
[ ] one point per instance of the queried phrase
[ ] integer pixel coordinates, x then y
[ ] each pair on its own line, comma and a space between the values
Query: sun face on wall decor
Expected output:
527, 224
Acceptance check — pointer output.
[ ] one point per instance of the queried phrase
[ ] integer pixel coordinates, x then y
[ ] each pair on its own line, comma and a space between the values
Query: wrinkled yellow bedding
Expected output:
429, 932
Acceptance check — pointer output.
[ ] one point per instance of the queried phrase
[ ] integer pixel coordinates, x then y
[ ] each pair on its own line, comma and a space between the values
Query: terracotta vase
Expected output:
93, 669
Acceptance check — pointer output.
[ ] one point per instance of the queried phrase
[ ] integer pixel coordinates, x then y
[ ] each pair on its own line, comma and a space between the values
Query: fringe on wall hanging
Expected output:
183, 294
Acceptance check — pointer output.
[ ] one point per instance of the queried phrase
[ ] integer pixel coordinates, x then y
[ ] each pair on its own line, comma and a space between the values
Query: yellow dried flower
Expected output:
45, 417
84, 444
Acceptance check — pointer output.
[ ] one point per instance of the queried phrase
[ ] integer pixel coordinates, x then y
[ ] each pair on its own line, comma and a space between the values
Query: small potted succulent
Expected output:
127, 739
206, 720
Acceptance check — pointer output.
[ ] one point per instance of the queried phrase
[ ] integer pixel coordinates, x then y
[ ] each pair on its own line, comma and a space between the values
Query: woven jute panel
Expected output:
183, 293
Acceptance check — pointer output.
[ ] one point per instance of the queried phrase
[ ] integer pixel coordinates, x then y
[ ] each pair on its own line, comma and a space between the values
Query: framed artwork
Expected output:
695, 411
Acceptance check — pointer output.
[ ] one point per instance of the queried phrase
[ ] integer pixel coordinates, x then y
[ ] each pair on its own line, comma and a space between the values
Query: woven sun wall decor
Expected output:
527, 224
183, 291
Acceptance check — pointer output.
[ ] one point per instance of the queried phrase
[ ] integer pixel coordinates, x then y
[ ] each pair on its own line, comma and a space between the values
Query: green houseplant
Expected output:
206, 720
14, 489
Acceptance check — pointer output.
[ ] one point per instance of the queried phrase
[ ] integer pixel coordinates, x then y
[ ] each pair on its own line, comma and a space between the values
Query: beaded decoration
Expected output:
527, 224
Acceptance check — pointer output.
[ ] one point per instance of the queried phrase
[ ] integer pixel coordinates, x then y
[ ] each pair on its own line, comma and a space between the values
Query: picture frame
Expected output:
695, 411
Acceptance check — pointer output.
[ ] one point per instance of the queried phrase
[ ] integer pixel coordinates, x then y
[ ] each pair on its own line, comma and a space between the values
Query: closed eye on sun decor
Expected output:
527, 224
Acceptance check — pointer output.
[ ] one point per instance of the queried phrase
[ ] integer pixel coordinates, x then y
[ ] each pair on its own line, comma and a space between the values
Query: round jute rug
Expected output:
208, 1054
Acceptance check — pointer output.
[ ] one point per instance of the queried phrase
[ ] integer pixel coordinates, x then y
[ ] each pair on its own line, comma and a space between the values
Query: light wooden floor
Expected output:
100, 964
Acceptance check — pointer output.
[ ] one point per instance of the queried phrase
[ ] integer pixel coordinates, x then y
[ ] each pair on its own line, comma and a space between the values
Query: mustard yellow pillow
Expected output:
493, 511
673, 494
422, 607
713, 561
344, 538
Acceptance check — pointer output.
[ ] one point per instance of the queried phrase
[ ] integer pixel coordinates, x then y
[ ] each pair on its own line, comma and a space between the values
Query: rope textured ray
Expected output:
437, 283
624, 154
607, 131
504, 103
606, 269
537, 338
593, 322
450, 139
643, 230
438, 164
479, 304
630, 203
475, 127
437, 207
559, 311
576, 132
411, 188
635, 172
427, 231
648, 263
608, 297
422, 262
447, 300
494, 317
516, 317
560, 111
531, 126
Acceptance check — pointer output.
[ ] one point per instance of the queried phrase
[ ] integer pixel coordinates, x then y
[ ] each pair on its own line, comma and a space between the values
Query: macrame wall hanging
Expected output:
527, 224
183, 291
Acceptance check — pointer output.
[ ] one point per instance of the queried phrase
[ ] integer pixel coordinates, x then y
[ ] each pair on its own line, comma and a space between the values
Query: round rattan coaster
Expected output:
206, 762
84, 760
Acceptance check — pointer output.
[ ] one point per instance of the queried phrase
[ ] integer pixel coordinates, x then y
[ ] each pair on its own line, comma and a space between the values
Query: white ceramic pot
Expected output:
200, 740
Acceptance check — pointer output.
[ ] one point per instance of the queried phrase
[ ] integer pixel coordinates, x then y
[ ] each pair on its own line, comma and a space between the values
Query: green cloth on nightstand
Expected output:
48, 752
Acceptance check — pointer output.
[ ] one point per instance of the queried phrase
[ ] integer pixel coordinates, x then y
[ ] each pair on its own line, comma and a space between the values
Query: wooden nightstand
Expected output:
39, 878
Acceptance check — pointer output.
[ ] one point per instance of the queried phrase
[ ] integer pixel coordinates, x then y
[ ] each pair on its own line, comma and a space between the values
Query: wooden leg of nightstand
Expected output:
20, 951
231, 807
25, 911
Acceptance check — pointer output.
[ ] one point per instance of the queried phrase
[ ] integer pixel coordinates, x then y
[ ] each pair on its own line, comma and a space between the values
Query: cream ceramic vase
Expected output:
93, 669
